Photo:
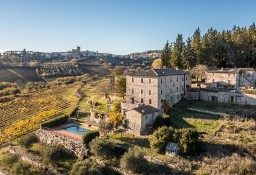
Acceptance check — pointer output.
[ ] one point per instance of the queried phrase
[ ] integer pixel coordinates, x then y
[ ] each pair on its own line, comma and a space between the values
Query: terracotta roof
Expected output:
158, 72
146, 109
228, 70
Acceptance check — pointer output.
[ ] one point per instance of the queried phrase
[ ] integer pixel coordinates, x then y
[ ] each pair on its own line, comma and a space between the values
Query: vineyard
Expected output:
25, 114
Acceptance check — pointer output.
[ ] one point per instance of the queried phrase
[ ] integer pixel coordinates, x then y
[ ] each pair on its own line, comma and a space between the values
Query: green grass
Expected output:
204, 125
130, 139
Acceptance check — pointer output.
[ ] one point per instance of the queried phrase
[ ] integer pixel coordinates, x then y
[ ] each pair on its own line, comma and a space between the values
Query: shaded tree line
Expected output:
227, 48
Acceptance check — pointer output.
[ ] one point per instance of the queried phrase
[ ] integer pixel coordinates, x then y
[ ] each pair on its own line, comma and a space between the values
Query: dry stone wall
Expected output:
48, 137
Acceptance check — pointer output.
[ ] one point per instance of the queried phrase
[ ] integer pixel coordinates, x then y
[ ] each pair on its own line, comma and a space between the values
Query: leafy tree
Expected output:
102, 148
157, 63
199, 71
89, 136
134, 161
105, 127
115, 118
56, 153
160, 138
166, 56
90, 167
118, 71
105, 87
189, 141
121, 86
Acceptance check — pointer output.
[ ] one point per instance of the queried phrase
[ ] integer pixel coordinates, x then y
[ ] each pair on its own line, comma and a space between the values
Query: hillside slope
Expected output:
21, 76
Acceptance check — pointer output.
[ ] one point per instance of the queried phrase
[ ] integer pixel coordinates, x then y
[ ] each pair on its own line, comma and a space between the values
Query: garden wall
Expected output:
48, 137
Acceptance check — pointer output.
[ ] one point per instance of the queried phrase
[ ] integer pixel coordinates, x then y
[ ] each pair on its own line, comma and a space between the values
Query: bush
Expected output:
21, 168
189, 141
56, 153
117, 107
134, 161
105, 127
162, 120
91, 168
27, 140
8, 160
55, 122
160, 138
104, 149
89, 136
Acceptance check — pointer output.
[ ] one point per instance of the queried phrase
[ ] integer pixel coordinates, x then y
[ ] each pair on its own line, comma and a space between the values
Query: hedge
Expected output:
55, 122
89, 136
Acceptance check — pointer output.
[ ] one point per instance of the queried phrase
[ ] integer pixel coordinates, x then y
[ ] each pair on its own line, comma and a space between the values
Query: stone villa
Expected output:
227, 85
145, 91
233, 77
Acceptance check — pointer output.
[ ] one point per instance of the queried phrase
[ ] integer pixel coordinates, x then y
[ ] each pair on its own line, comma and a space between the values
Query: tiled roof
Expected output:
228, 70
158, 72
146, 109
164, 72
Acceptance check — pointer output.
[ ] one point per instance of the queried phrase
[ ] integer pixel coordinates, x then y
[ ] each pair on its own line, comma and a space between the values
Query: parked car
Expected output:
233, 91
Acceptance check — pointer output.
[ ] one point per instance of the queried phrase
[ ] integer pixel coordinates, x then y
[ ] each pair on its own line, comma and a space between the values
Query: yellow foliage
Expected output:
156, 63
115, 118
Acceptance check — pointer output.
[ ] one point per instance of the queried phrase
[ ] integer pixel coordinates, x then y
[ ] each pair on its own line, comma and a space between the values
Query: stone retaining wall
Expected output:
48, 137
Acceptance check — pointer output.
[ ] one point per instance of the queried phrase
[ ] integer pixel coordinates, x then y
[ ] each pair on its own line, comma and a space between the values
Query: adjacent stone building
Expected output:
230, 77
145, 90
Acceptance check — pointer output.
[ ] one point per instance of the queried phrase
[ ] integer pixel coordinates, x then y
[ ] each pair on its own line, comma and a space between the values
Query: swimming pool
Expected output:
76, 129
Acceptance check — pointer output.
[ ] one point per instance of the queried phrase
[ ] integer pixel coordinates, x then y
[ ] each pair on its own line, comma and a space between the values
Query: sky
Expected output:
113, 26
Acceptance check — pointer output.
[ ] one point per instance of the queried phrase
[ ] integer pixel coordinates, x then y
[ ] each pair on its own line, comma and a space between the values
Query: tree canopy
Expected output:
227, 48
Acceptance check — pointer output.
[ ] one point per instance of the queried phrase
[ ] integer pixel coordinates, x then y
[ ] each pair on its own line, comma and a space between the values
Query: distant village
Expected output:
78, 53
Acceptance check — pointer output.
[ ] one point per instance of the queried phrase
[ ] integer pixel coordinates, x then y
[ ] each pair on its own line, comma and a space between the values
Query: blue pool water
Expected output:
76, 129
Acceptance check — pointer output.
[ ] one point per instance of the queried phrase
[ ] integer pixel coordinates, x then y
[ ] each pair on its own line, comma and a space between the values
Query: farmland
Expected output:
25, 113
20, 76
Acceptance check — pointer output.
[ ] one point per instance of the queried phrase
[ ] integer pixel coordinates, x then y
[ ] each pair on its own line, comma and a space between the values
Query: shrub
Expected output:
105, 127
27, 140
56, 153
91, 168
55, 122
160, 138
117, 107
21, 168
89, 136
102, 148
162, 120
189, 141
134, 161
8, 160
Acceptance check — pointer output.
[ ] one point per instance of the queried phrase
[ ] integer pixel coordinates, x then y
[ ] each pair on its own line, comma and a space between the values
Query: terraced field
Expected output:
24, 114
21, 76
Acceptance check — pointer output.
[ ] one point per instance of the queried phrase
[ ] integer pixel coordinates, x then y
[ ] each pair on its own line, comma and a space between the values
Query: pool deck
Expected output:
71, 135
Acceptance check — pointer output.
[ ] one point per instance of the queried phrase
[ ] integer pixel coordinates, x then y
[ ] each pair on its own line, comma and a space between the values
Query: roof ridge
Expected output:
155, 72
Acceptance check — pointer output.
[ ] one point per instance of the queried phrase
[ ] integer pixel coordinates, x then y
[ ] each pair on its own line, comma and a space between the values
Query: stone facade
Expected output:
226, 97
145, 89
236, 77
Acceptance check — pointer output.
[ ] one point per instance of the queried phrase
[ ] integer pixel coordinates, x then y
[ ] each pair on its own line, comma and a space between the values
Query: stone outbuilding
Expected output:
172, 149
